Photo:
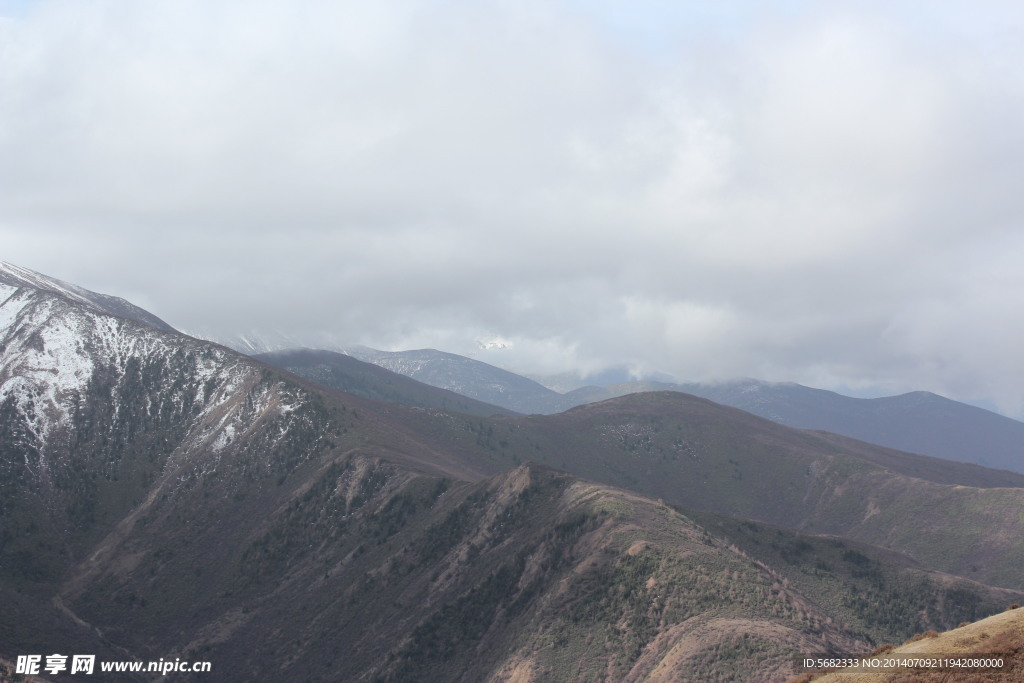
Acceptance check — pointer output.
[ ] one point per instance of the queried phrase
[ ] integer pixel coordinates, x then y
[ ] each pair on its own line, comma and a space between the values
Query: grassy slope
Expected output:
357, 568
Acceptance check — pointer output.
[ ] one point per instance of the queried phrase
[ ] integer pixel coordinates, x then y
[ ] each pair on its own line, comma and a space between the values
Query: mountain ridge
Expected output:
16, 276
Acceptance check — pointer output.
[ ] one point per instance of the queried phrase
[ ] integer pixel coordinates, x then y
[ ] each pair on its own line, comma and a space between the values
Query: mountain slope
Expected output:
462, 375
381, 575
954, 517
345, 373
366, 571
880, 594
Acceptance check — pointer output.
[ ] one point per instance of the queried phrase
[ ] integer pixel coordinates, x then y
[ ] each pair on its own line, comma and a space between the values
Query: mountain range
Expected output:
162, 497
917, 422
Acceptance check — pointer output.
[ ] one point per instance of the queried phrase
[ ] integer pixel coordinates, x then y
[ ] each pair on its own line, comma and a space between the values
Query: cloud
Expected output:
818, 194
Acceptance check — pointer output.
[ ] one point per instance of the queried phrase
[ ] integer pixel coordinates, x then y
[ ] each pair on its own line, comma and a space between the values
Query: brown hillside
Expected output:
1000, 636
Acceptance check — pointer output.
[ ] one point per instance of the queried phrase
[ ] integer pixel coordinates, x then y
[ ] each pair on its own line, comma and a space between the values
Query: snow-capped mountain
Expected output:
16, 276
89, 398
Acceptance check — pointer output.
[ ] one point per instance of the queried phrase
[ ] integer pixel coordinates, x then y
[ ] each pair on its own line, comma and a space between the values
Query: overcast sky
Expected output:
827, 193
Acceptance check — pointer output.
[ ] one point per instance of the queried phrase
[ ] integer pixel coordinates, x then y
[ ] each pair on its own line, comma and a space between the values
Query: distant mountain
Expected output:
462, 375
345, 373
451, 372
917, 422
269, 341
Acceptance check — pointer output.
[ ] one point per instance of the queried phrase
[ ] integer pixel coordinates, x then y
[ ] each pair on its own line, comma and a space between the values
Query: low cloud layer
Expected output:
816, 194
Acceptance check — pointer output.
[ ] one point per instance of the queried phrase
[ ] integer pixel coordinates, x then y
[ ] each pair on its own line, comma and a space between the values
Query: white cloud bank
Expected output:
818, 194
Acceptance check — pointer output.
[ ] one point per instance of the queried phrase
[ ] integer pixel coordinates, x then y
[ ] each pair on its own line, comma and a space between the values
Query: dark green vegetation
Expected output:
163, 497
879, 595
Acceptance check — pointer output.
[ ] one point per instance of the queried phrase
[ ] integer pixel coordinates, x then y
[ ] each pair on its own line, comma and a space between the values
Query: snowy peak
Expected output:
18, 277
80, 386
